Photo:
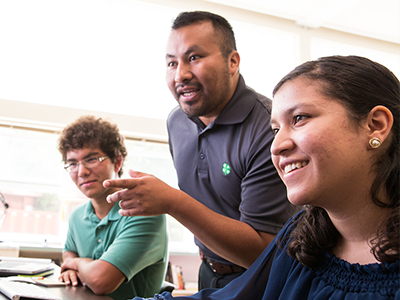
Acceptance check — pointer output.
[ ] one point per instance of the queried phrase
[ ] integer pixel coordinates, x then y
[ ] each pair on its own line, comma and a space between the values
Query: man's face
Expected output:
198, 75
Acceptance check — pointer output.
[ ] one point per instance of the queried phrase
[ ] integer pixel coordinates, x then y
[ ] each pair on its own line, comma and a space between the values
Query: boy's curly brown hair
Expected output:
91, 132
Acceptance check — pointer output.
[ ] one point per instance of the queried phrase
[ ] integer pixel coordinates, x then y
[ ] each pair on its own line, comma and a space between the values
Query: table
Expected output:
69, 292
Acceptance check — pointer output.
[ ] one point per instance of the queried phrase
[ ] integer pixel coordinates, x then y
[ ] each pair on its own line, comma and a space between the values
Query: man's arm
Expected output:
231, 239
145, 195
100, 276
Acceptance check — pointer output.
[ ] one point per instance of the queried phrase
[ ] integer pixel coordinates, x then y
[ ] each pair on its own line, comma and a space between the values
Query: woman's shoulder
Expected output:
382, 278
336, 276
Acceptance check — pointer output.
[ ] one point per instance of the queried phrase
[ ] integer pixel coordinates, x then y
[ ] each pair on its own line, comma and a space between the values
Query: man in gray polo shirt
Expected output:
230, 196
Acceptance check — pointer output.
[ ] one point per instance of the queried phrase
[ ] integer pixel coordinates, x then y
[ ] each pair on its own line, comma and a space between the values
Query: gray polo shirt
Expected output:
227, 165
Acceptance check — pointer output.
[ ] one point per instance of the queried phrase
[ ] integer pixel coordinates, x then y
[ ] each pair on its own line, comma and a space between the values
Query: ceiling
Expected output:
370, 18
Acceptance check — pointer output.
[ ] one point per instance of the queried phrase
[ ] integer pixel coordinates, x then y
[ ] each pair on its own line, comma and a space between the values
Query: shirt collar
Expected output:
113, 214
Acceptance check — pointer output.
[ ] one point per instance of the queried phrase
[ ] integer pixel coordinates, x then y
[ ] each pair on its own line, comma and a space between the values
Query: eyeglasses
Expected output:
89, 163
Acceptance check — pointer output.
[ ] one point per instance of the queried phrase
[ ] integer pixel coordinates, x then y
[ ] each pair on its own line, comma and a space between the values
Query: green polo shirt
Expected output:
137, 246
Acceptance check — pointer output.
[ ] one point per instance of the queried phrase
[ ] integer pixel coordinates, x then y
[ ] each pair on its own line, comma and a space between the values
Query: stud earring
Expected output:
375, 142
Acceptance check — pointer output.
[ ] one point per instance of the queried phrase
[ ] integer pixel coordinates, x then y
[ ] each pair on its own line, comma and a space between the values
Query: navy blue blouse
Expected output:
336, 279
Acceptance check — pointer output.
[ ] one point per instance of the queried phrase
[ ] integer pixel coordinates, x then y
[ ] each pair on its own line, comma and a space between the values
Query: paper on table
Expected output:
47, 282
46, 273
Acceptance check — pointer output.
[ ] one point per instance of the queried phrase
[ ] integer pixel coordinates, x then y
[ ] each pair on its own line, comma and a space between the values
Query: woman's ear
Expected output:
379, 122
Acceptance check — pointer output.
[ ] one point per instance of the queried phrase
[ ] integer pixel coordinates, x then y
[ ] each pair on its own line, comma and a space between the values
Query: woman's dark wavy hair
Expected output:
220, 25
87, 131
359, 84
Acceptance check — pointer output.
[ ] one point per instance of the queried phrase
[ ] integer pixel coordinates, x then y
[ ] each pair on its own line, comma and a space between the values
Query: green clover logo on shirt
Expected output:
226, 169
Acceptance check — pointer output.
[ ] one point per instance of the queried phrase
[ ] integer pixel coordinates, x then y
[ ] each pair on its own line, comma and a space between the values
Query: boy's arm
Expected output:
100, 276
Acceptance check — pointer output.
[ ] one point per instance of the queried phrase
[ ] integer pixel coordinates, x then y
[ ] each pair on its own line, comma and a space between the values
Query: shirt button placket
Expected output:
99, 234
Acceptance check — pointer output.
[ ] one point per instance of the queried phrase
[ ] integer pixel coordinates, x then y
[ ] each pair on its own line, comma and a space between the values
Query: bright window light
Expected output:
324, 47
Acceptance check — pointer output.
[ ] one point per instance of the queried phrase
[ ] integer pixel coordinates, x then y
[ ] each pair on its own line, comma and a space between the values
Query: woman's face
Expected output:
319, 152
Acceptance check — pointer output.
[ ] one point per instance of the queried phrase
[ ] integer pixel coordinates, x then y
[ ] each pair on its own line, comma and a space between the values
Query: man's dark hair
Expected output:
221, 26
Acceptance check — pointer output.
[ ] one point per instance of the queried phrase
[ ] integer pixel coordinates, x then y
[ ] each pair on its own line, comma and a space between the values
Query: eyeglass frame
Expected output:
99, 159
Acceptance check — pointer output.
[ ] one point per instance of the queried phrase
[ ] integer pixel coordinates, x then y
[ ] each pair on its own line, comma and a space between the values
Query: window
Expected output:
323, 47
30, 181
267, 54
41, 195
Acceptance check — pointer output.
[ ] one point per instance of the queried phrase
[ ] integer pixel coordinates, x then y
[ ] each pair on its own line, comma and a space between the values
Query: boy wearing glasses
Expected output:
111, 254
